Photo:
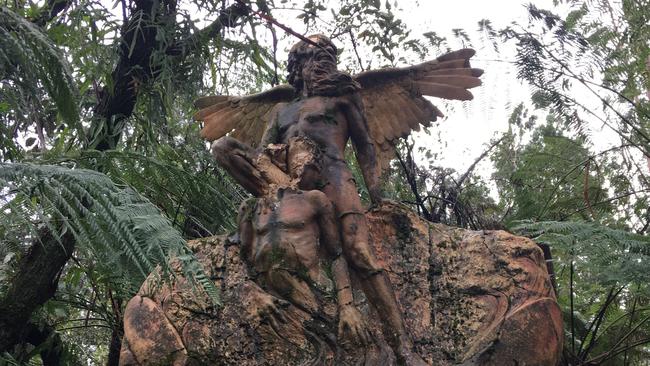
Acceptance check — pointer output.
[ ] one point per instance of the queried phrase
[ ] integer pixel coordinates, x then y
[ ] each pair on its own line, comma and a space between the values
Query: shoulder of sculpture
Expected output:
351, 99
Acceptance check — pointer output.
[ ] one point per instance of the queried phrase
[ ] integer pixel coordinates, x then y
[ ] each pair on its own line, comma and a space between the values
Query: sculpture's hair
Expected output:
320, 62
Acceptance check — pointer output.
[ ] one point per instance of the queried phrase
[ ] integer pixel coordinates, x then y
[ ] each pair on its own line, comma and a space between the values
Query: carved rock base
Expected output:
468, 297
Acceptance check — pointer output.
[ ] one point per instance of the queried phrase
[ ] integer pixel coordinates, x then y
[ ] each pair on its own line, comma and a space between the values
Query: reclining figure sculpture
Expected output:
290, 243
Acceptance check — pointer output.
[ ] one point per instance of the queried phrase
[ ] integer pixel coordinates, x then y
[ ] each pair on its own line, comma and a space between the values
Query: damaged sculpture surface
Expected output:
306, 224
467, 297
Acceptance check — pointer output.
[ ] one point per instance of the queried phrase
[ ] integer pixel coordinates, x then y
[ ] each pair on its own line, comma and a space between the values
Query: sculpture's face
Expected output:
308, 62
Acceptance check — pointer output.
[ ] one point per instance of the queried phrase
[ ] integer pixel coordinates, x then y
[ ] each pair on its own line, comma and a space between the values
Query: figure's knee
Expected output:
361, 258
220, 148
226, 148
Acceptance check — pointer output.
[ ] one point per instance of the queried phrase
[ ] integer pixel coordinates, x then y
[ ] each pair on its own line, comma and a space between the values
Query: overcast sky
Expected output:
468, 128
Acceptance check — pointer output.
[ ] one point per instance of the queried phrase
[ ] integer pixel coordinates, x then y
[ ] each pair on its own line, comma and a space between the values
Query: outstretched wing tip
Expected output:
462, 54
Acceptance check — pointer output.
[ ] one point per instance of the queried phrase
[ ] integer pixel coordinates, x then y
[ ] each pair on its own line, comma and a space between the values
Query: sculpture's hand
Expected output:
351, 325
269, 308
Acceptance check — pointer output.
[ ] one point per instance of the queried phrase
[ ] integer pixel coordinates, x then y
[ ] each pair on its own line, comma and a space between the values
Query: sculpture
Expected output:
288, 237
468, 297
328, 108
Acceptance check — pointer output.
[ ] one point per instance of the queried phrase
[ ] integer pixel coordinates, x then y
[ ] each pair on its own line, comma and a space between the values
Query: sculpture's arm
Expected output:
330, 237
342, 281
351, 324
261, 303
365, 149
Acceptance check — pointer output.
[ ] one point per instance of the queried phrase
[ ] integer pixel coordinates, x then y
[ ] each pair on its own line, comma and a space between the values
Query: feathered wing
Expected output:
394, 97
244, 117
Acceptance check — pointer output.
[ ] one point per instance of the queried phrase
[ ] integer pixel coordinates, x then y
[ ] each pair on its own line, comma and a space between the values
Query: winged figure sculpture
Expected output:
393, 99
324, 108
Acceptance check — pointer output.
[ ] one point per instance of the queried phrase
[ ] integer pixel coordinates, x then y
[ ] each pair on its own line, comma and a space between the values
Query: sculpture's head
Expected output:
312, 68
307, 60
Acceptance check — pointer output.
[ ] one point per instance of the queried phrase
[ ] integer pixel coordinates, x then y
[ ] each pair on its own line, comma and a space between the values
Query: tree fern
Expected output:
185, 185
27, 57
602, 276
614, 256
123, 232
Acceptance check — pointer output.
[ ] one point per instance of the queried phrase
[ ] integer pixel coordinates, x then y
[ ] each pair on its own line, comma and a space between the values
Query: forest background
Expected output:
104, 176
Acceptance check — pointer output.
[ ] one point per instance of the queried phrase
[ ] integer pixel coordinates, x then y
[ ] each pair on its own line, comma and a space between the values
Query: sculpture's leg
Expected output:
239, 159
341, 189
377, 286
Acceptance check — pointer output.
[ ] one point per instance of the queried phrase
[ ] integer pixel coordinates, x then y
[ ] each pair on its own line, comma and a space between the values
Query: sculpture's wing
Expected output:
394, 97
244, 117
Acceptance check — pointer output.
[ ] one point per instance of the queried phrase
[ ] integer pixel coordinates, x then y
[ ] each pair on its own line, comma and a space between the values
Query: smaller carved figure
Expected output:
290, 242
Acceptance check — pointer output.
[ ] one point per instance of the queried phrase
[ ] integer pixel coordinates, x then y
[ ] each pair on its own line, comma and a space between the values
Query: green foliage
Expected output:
131, 207
124, 235
589, 245
602, 60
568, 188
442, 194
197, 197
602, 277
28, 60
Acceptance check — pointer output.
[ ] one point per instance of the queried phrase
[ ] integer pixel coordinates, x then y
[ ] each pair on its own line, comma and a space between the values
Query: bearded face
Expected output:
312, 69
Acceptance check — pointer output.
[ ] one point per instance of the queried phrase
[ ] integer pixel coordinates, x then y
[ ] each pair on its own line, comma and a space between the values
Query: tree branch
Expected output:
227, 18
478, 160
411, 179
138, 42
49, 11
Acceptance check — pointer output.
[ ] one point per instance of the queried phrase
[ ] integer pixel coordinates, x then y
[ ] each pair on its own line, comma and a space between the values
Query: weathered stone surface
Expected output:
467, 297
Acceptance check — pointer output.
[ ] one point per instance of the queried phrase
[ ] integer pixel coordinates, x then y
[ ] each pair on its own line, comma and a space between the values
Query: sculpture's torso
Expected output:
320, 119
287, 240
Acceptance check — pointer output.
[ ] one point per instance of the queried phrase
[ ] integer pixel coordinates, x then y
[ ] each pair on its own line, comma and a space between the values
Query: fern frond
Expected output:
205, 198
125, 234
611, 255
28, 55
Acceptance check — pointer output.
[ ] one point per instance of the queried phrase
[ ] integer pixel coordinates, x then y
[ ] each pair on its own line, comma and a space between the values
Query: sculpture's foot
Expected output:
406, 357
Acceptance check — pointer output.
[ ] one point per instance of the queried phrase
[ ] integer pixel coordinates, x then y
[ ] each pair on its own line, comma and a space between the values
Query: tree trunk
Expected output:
32, 285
